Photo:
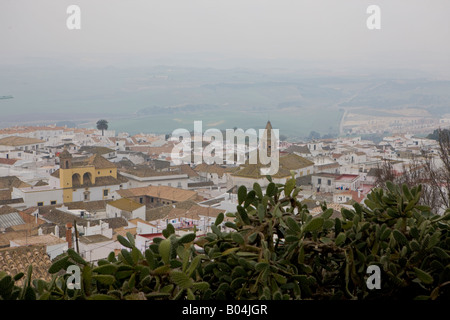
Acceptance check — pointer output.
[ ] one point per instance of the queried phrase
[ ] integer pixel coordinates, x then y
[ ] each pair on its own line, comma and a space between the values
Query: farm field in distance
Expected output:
160, 99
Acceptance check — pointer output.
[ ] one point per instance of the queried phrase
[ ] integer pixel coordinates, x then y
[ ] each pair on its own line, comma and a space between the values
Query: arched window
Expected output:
87, 179
76, 180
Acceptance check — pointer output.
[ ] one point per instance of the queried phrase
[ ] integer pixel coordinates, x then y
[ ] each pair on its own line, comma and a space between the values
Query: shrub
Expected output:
275, 250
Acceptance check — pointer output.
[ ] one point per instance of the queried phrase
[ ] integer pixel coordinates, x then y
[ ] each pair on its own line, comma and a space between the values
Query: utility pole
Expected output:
76, 235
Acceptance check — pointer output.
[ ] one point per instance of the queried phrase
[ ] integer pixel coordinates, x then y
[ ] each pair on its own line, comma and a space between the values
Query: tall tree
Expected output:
102, 124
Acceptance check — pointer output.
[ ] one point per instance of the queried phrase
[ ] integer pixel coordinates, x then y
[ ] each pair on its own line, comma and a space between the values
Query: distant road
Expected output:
341, 124
346, 111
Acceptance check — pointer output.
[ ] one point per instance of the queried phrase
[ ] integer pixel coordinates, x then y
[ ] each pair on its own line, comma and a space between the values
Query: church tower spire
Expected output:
266, 139
65, 159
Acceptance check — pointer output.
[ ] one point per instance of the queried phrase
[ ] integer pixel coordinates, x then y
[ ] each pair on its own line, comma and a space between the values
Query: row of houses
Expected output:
81, 189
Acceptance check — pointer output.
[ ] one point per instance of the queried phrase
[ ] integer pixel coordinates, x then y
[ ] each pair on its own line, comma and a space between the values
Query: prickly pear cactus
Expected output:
272, 248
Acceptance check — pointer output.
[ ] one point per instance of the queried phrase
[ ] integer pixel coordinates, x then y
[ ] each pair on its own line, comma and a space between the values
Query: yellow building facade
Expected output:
82, 174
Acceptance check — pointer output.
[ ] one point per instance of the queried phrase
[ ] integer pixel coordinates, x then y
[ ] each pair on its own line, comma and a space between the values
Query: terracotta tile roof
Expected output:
40, 183
96, 150
328, 166
178, 213
16, 141
354, 195
123, 232
326, 175
145, 171
59, 217
8, 182
347, 177
297, 149
193, 212
55, 174
200, 184
65, 154
107, 181
46, 239
136, 220
167, 148
205, 211
100, 162
9, 201
213, 168
5, 194
188, 209
335, 206
7, 210
115, 223
96, 238
287, 163
29, 210
99, 205
6, 237
28, 218
95, 160
126, 204
27, 129
9, 162
186, 169
157, 213
186, 204
30, 228
254, 171
294, 162
162, 192
16, 260
125, 163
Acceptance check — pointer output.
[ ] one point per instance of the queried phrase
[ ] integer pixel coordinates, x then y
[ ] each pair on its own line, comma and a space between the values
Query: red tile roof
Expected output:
9, 162
16, 260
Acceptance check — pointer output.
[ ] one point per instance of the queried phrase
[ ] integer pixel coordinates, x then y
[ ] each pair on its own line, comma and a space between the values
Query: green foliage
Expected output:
102, 124
274, 249
438, 133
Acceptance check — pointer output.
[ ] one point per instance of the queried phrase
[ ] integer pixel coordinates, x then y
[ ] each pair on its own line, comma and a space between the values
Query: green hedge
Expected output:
276, 250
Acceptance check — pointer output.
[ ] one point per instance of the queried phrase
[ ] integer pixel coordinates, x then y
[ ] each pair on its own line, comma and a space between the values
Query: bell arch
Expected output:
76, 179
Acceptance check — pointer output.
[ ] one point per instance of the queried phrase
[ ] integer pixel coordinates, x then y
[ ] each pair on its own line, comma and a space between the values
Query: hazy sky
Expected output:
414, 33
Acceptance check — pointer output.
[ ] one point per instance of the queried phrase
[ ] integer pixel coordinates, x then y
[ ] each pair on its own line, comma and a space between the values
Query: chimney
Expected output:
69, 234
